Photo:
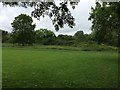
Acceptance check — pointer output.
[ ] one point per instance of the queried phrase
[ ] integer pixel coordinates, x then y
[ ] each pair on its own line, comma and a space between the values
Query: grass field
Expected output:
48, 68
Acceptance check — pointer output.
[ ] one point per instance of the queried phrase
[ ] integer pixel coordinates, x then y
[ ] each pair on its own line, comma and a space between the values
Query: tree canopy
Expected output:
79, 36
23, 29
106, 22
44, 36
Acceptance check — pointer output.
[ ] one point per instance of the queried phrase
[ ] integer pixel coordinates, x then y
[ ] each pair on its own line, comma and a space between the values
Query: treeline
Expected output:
47, 37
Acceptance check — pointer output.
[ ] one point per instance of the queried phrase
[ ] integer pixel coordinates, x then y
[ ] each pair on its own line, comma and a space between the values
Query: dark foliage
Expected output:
4, 35
59, 14
106, 23
45, 37
23, 30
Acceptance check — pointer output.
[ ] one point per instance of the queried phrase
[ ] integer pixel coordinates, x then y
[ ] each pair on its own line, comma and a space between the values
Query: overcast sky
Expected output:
80, 13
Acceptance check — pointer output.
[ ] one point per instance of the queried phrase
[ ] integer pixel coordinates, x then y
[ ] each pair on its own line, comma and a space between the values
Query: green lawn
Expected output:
42, 68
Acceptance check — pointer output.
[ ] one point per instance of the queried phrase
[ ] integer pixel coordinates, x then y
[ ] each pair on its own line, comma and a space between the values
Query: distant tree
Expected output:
4, 36
23, 30
87, 37
65, 40
9, 38
59, 14
0, 35
79, 36
44, 36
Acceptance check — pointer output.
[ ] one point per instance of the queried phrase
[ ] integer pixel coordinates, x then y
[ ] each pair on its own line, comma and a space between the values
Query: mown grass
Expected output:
49, 68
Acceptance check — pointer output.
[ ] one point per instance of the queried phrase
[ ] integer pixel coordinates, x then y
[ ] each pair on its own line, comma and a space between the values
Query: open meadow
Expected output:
60, 44
52, 68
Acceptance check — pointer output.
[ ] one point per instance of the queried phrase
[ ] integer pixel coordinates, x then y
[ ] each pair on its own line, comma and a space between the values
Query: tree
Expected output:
23, 30
4, 35
105, 19
59, 14
88, 37
79, 36
64, 40
44, 36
